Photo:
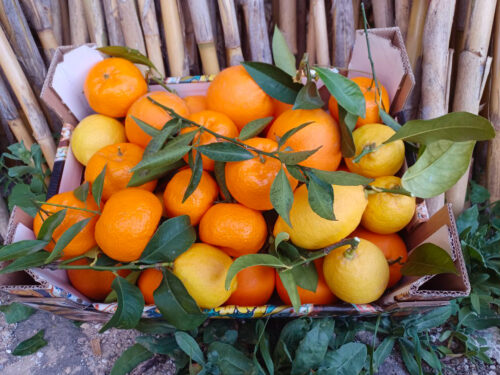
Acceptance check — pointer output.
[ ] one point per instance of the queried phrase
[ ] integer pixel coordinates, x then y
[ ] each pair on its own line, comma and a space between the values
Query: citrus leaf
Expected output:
158, 141
127, 53
282, 196
140, 177
293, 158
146, 128
296, 172
254, 128
306, 276
251, 260
349, 359
130, 359
225, 151
290, 287
428, 259
163, 158
388, 120
29, 261
194, 180
31, 345
21, 248
308, 97
455, 126
50, 224
189, 346
347, 122
346, 92
280, 237
438, 168
274, 81
16, 312
230, 360
81, 192
98, 185
66, 238
341, 178
320, 197
283, 57
291, 132
173, 237
131, 278
220, 177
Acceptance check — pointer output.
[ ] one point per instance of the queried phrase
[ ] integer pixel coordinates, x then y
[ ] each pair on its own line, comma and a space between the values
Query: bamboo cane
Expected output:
227, 10
113, 25
190, 46
320, 31
66, 29
56, 21
147, 14
4, 219
311, 36
78, 24
301, 27
218, 33
95, 22
174, 38
383, 13
256, 26
402, 15
471, 74
436, 39
356, 6
26, 99
288, 22
343, 32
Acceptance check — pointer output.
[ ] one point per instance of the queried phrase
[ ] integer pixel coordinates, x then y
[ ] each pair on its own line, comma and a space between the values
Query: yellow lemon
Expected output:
310, 231
385, 161
93, 133
360, 276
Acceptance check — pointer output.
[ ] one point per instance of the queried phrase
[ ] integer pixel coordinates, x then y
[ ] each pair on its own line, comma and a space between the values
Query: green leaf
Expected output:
347, 123
131, 278
254, 128
349, 359
428, 259
81, 192
251, 260
98, 185
165, 345
282, 196
320, 197
293, 158
439, 167
130, 359
190, 347
176, 305
341, 178
296, 172
346, 92
146, 128
283, 57
22, 196
194, 180
290, 287
262, 346
127, 53
230, 360
171, 153
220, 177
130, 305
29, 261
31, 345
432, 319
21, 248
388, 120
219, 330
478, 194
274, 81
158, 141
291, 335
408, 359
306, 276
66, 238
455, 126
142, 176
280, 237
383, 351
225, 151
156, 326
16, 312
173, 237
291, 132
308, 97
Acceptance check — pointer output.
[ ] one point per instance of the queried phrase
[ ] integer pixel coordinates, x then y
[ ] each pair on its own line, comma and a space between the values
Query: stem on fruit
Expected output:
368, 149
353, 242
70, 207
398, 190
349, 253
130, 266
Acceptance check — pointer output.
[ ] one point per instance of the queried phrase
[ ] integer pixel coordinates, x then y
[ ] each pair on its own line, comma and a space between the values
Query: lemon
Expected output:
203, 269
386, 212
385, 161
311, 231
357, 277
93, 133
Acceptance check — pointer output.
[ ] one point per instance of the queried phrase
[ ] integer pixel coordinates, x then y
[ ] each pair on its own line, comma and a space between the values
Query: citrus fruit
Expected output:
196, 103
118, 159
387, 212
149, 280
234, 228
357, 277
197, 203
215, 121
95, 285
250, 181
280, 107
310, 231
203, 269
93, 133
255, 287
371, 97
321, 296
152, 114
127, 223
112, 85
84, 240
322, 132
385, 161
393, 248
235, 93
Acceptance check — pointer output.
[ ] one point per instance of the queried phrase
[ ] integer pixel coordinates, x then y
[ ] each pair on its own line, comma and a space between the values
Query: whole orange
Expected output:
235, 93
119, 159
215, 121
95, 285
255, 287
322, 295
149, 280
323, 132
84, 240
197, 203
371, 97
127, 223
196, 103
152, 114
393, 248
250, 181
234, 228
112, 85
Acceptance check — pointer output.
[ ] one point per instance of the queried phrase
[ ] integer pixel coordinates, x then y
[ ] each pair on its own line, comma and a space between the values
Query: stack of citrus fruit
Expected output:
126, 219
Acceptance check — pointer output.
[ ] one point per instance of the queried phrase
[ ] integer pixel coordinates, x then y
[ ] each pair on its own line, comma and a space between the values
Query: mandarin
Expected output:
149, 280
255, 287
196, 103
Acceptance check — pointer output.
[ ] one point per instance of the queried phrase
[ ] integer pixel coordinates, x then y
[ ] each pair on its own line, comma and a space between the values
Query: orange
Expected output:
199, 201
255, 286
152, 114
127, 223
393, 248
234, 228
95, 285
235, 93
371, 97
196, 103
322, 295
250, 181
149, 280
280, 107
119, 159
112, 85
323, 132
84, 240
215, 121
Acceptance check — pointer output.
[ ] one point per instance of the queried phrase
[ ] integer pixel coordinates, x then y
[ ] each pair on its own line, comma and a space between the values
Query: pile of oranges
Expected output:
125, 221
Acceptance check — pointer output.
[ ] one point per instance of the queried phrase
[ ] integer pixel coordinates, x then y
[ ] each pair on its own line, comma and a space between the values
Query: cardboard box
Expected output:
51, 290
